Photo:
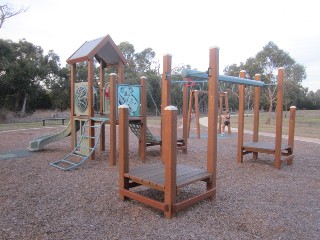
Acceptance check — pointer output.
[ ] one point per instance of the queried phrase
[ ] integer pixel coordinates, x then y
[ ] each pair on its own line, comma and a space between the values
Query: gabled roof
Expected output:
102, 48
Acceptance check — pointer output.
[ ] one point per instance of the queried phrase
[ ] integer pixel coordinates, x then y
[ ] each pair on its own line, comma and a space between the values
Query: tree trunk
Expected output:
23, 110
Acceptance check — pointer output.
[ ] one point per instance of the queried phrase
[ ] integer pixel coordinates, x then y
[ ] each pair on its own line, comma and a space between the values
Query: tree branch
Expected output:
7, 11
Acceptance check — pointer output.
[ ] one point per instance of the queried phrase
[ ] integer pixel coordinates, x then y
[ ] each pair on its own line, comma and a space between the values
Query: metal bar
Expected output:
183, 81
204, 75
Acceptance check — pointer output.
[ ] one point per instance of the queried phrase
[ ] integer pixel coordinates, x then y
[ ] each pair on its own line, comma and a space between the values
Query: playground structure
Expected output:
255, 147
82, 151
143, 133
194, 104
168, 176
83, 113
38, 143
108, 54
277, 148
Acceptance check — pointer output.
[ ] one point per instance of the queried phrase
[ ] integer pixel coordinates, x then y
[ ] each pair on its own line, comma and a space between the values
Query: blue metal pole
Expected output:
204, 75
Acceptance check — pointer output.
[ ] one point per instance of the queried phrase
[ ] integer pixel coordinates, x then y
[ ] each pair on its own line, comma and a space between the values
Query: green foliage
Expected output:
143, 64
27, 73
24, 70
40, 100
266, 62
310, 101
60, 90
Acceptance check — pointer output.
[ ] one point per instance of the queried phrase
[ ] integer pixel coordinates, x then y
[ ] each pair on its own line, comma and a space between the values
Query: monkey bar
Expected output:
188, 73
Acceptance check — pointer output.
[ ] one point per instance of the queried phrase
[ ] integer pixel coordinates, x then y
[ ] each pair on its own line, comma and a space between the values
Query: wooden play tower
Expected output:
107, 54
283, 152
167, 176
91, 115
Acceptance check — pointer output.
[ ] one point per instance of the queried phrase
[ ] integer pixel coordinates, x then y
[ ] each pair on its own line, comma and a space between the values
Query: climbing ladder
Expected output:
82, 152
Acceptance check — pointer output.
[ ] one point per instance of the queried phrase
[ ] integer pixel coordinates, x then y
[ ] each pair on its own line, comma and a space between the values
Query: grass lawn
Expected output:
307, 123
22, 125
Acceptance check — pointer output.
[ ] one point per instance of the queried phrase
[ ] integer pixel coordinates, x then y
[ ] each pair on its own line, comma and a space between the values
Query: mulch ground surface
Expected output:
254, 200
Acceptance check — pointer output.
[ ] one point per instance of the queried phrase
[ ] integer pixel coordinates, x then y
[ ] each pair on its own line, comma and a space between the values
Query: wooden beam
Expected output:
123, 148
291, 127
226, 102
191, 96
165, 87
220, 112
256, 106
151, 202
102, 96
212, 116
278, 139
90, 105
169, 154
190, 201
241, 118
143, 135
73, 78
185, 118
196, 108
113, 119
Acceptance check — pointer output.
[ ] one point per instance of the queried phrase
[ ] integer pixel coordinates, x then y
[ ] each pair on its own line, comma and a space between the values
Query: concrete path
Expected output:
204, 122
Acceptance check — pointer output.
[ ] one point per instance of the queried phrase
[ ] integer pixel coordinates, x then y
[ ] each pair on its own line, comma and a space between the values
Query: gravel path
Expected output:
254, 200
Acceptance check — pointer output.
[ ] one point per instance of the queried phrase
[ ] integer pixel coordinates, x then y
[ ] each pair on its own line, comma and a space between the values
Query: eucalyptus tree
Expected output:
266, 62
140, 64
27, 71
60, 89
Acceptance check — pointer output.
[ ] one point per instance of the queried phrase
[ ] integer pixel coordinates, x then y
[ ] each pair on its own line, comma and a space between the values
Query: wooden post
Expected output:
165, 86
185, 118
123, 149
102, 96
226, 102
143, 112
72, 125
256, 105
292, 126
291, 130
196, 108
241, 118
220, 112
90, 105
191, 95
169, 155
212, 116
113, 119
278, 140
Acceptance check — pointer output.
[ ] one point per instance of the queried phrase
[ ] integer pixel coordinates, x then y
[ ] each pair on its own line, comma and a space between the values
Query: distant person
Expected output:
226, 122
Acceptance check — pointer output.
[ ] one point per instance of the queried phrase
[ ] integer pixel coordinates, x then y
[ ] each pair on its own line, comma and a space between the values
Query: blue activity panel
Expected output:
129, 95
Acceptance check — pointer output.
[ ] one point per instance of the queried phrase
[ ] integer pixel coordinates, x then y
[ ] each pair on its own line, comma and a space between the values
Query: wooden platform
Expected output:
263, 147
153, 175
286, 151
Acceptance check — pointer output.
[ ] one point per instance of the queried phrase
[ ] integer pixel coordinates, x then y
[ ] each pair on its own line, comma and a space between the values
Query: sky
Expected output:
184, 28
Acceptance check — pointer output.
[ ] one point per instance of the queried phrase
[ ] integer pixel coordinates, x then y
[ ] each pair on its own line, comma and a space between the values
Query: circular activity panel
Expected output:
81, 98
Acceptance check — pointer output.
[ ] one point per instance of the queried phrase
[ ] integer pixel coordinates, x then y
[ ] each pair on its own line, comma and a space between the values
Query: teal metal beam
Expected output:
188, 73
